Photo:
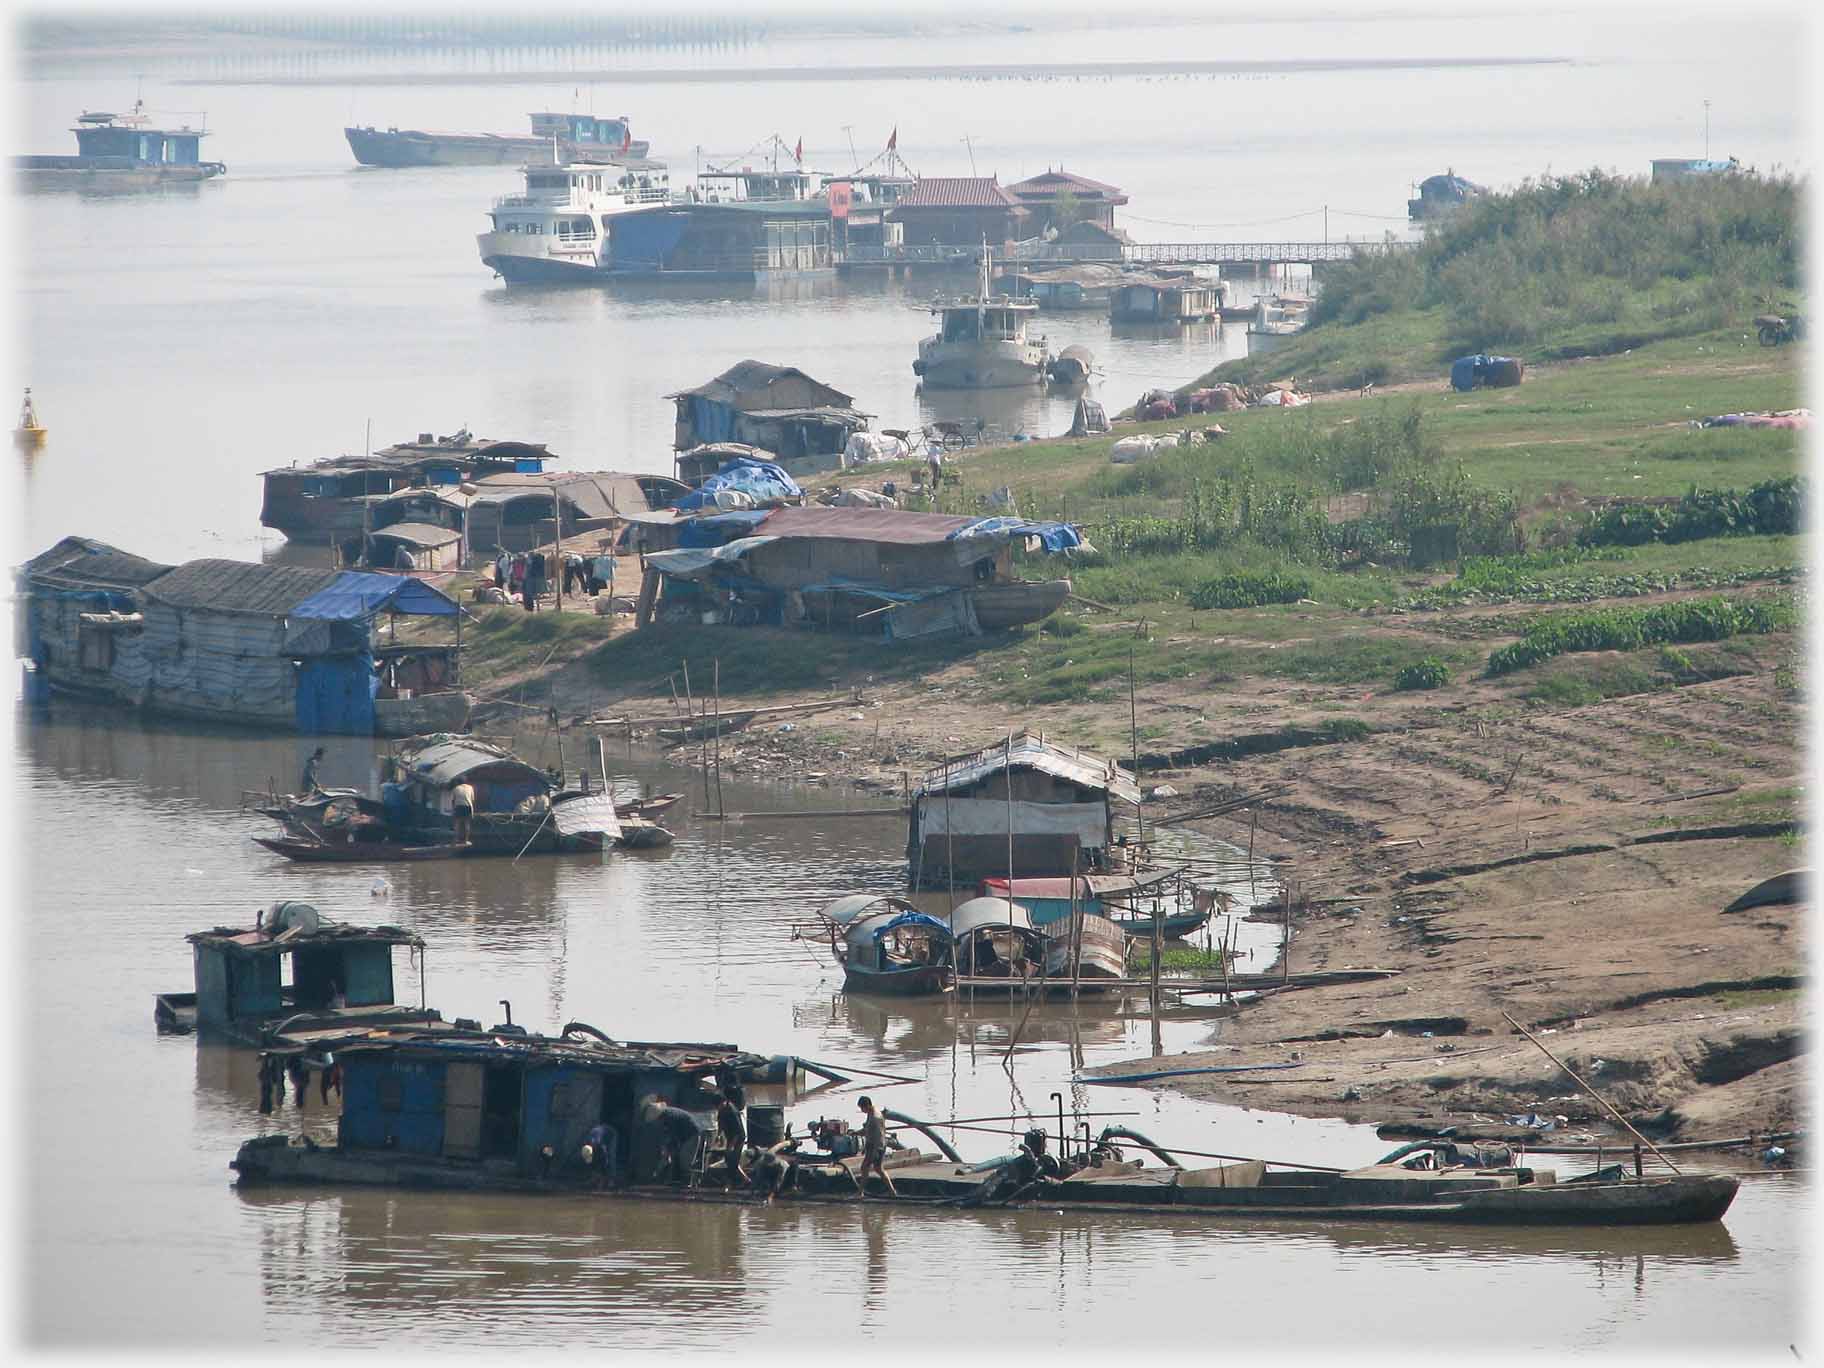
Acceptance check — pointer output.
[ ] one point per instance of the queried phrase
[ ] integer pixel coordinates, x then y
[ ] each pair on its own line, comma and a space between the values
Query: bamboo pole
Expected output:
1592, 1092
719, 803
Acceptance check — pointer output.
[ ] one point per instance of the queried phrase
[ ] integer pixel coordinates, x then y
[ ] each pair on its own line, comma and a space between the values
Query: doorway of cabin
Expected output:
502, 1096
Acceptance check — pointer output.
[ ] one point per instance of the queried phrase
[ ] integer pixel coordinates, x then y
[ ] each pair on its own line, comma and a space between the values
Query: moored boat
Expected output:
509, 1112
579, 137
999, 607
559, 230
519, 808
982, 342
308, 851
887, 945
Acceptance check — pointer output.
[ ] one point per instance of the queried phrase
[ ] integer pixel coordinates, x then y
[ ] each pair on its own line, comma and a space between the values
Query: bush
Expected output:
1249, 591
1628, 629
1429, 673
1769, 508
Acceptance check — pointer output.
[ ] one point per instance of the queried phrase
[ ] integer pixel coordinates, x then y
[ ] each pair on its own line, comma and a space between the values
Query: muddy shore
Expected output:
1554, 866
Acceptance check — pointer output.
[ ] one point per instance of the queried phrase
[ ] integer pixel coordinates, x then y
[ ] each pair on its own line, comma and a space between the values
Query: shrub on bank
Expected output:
1628, 629
1429, 673
1769, 508
1250, 591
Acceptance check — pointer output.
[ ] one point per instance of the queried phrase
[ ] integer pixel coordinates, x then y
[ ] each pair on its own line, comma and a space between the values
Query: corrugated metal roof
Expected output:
1048, 183
1026, 751
82, 561
980, 912
408, 454
239, 586
956, 192
864, 524
595, 493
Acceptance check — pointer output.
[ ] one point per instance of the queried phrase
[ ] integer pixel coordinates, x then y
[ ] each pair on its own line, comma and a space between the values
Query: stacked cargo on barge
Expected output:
579, 137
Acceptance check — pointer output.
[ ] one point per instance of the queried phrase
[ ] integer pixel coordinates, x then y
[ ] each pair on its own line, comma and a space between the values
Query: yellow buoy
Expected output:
29, 435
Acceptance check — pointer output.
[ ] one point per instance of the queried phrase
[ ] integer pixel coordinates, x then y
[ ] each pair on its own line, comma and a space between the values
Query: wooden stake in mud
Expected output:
1007, 778
1133, 720
720, 809
1592, 1092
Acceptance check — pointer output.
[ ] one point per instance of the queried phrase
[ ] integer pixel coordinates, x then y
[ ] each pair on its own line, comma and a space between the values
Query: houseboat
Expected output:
1028, 803
530, 510
982, 342
416, 529
326, 500
579, 138
792, 417
1164, 301
559, 230
1131, 902
121, 152
502, 1110
293, 969
735, 225
272, 646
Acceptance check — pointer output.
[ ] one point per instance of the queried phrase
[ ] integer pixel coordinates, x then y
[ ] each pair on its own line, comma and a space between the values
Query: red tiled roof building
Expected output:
1095, 201
958, 211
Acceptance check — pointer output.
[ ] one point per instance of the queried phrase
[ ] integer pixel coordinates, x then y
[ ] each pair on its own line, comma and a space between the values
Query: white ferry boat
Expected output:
558, 230
982, 342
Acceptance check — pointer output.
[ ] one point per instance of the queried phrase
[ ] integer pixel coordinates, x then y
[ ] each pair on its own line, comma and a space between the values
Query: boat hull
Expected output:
999, 607
355, 852
980, 365
507, 255
412, 147
919, 980
1689, 1199
100, 175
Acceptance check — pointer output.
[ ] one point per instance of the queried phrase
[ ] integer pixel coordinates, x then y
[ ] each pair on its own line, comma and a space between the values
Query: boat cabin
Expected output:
293, 967
129, 136
1045, 809
502, 1098
588, 131
998, 318
779, 409
1164, 301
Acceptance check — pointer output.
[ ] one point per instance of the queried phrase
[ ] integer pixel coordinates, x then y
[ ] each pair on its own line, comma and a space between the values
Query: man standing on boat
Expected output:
873, 1149
734, 1134
462, 811
309, 785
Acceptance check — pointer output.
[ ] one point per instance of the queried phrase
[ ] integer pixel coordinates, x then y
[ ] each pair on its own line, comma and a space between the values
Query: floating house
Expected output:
418, 528
1061, 199
519, 808
227, 641
1164, 301
523, 511
503, 1108
777, 408
876, 570
325, 500
958, 211
293, 970
859, 206
121, 152
1028, 803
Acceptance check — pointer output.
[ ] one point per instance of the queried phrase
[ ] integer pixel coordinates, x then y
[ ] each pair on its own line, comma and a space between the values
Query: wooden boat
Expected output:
639, 834
886, 945
310, 851
646, 807
1104, 895
1177, 924
1014, 604
1102, 953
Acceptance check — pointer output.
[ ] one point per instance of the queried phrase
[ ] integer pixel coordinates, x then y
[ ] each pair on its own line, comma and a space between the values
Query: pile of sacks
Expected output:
1144, 445
864, 447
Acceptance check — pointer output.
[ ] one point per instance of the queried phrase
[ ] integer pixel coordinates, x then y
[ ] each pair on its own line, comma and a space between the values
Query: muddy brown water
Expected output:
136, 837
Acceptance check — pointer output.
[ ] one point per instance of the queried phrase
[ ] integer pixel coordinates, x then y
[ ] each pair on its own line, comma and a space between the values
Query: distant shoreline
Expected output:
924, 72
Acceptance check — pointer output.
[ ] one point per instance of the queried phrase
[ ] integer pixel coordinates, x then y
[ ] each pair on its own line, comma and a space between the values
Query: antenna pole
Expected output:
1706, 130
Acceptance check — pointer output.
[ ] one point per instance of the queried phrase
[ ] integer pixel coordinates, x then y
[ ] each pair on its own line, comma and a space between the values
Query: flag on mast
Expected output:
893, 141
626, 138
798, 151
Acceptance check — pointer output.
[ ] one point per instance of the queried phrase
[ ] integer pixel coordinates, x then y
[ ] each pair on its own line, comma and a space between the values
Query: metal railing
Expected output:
1138, 253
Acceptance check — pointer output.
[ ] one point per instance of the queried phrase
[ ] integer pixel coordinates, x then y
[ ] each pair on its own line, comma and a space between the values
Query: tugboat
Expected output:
121, 152
558, 229
982, 342
29, 435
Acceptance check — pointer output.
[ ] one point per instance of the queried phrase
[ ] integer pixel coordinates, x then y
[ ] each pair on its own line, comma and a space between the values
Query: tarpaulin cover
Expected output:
356, 594
1464, 369
761, 480
720, 527
694, 562
1053, 536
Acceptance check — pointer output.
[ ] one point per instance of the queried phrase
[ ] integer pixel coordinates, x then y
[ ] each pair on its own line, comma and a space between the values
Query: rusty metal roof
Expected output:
956, 192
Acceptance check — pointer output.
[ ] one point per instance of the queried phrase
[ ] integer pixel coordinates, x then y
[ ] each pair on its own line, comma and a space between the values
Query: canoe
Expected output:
1000, 606
355, 852
646, 807
1177, 925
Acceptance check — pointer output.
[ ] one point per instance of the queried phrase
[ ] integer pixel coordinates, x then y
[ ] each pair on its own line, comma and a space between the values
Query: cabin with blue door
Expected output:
293, 967
109, 135
502, 1097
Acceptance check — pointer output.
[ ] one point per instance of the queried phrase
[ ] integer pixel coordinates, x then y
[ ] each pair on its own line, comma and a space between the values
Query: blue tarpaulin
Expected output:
1054, 536
719, 527
761, 480
355, 594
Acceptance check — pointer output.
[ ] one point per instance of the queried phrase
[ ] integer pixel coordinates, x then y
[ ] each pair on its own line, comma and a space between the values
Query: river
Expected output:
181, 343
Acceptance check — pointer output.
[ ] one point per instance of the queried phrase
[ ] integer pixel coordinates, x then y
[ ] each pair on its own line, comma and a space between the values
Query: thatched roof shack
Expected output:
779, 409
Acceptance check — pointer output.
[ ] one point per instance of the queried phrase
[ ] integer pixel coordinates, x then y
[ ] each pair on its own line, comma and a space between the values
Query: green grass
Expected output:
1577, 682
